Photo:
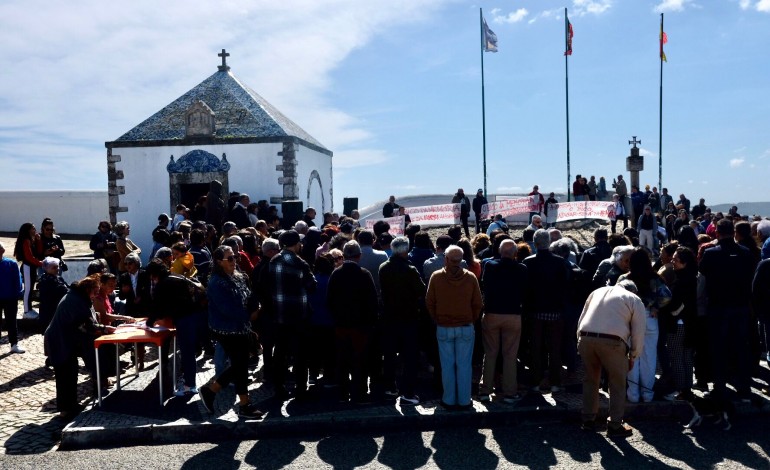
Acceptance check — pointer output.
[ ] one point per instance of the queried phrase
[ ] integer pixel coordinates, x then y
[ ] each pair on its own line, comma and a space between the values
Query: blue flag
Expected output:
490, 38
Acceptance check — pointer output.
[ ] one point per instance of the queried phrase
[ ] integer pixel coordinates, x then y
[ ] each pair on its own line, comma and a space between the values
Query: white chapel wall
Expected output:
252, 170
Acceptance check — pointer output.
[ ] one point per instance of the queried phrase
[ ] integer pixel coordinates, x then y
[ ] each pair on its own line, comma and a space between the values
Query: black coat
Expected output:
352, 297
137, 303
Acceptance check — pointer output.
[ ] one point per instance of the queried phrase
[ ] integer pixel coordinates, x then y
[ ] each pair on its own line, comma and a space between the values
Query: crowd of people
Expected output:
346, 308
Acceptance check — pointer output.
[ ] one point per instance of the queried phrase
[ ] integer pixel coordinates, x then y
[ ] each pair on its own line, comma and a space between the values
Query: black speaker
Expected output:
348, 205
292, 212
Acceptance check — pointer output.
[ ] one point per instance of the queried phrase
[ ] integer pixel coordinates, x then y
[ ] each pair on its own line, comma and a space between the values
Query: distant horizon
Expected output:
375, 204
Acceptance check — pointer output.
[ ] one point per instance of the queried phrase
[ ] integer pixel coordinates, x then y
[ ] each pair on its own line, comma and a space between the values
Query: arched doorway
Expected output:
315, 196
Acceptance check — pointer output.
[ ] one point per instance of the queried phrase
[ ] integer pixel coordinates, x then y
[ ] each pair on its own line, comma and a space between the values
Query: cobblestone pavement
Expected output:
27, 398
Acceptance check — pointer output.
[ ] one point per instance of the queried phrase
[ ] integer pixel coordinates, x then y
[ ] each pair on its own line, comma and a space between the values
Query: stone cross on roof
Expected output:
629, 142
224, 55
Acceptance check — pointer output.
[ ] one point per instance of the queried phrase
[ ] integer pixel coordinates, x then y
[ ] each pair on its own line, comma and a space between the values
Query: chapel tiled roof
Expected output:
240, 113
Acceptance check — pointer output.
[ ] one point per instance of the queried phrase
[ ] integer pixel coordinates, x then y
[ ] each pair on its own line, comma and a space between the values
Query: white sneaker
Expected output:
17, 349
31, 315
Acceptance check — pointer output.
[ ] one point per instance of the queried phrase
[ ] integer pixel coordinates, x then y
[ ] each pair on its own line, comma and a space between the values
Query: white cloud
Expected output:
359, 157
647, 153
763, 6
547, 14
579, 8
512, 17
672, 5
86, 72
737, 162
592, 7
744, 4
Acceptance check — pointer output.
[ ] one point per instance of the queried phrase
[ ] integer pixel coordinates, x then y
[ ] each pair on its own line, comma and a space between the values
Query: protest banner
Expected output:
441, 214
509, 207
396, 225
565, 211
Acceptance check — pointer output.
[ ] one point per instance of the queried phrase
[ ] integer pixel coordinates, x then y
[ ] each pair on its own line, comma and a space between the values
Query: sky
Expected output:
393, 88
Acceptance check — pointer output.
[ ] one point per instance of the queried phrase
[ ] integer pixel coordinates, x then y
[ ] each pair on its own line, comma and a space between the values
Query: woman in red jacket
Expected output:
24, 252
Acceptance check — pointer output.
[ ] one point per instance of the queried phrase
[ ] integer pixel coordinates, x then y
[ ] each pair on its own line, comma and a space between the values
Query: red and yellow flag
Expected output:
663, 40
568, 33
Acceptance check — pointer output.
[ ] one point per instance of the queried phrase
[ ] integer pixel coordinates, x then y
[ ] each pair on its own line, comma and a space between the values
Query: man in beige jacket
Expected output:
610, 335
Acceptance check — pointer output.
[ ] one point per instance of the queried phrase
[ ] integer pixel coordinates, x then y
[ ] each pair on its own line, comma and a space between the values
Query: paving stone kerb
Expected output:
100, 427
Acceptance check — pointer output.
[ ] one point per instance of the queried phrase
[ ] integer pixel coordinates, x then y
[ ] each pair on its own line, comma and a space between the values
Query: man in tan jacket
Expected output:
610, 335
454, 302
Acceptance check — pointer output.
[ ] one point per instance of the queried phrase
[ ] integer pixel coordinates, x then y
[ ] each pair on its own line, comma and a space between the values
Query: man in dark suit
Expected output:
134, 287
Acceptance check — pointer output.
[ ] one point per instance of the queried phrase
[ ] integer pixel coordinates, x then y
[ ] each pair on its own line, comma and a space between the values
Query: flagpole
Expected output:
566, 85
483, 110
660, 110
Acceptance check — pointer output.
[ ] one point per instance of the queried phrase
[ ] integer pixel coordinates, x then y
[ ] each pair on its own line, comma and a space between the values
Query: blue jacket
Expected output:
228, 298
11, 286
321, 315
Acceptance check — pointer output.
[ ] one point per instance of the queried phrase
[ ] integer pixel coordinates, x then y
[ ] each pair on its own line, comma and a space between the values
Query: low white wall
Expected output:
73, 212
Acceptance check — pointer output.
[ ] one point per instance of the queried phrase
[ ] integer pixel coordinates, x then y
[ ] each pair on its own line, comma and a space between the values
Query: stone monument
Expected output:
634, 162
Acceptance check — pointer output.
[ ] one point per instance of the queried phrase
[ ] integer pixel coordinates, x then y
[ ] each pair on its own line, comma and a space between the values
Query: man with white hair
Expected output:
301, 227
610, 335
546, 302
763, 229
454, 302
239, 212
402, 288
505, 282
352, 302
134, 287
11, 288
536, 223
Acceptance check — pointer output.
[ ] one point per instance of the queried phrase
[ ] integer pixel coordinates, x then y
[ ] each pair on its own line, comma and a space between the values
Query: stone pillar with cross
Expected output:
634, 162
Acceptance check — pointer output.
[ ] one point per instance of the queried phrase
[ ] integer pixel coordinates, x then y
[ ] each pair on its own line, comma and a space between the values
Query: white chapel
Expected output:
221, 130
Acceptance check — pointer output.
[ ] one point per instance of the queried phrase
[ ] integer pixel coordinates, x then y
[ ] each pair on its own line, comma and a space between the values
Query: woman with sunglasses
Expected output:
50, 244
103, 245
25, 252
230, 305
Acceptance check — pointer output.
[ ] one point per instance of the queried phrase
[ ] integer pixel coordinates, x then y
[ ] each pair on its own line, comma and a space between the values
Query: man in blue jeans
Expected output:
454, 302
